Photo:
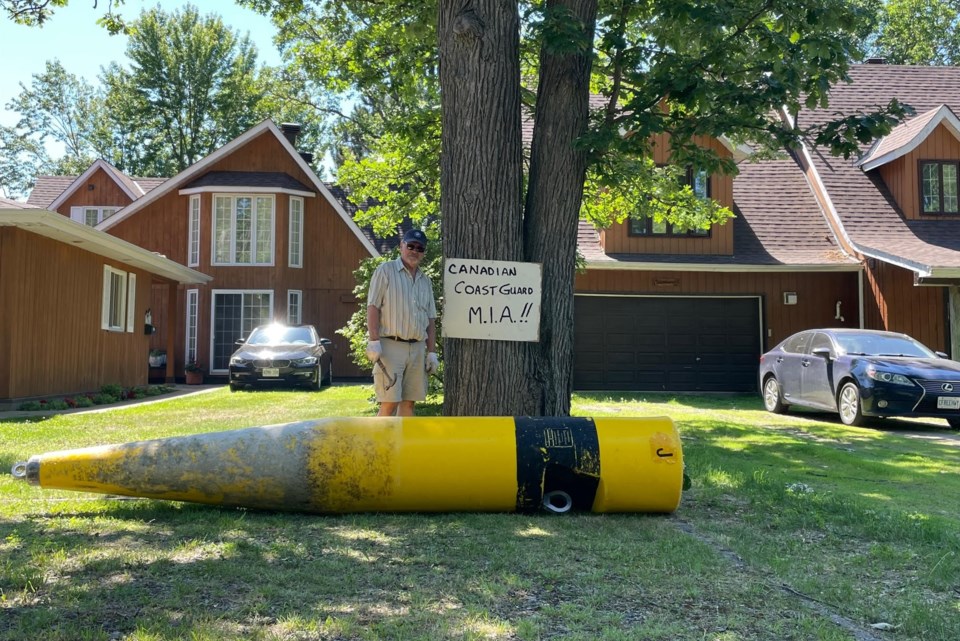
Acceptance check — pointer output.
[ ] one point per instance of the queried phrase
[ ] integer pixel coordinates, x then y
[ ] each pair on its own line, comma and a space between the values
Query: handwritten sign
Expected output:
491, 300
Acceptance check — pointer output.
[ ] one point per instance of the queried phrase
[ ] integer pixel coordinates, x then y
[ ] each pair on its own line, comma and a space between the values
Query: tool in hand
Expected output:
391, 379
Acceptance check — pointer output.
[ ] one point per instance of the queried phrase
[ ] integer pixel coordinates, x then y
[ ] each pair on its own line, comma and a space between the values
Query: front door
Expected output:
235, 314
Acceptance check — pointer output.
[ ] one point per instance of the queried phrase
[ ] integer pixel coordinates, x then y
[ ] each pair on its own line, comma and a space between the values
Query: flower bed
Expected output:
108, 394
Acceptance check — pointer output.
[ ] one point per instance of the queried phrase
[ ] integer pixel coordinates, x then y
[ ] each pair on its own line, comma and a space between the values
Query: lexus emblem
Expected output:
947, 387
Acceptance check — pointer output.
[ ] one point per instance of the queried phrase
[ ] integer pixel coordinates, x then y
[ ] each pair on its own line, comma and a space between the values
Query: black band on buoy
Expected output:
556, 454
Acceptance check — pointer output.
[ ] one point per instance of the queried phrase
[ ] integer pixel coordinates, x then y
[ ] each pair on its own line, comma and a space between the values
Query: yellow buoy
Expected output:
441, 464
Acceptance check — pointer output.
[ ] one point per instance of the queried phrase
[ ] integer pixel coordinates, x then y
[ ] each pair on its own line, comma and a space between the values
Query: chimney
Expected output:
878, 60
290, 131
307, 157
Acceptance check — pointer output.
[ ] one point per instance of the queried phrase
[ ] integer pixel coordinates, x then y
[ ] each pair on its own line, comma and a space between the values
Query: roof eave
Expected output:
727, 267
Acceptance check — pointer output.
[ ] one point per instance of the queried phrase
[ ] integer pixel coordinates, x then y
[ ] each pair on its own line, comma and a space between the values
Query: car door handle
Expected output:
779, 359
805, 363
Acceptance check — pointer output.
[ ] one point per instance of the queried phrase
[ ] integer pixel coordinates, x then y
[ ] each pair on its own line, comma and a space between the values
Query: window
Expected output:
938, 187
798, 344
294, 300
119, 300
699, 182
235, 314
193, 242
90, 215
243, 230
193, 299
296, 232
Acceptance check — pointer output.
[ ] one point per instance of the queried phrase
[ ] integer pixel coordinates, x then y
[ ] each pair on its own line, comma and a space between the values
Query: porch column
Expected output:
953, 318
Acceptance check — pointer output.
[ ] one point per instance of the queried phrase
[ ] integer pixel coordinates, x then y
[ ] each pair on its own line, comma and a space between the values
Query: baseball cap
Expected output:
415, 236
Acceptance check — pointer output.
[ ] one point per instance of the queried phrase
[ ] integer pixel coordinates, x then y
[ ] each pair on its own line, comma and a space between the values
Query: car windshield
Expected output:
879, 345
280, 335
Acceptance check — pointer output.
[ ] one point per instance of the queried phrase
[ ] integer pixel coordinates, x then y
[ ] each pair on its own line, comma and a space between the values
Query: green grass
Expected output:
796, 527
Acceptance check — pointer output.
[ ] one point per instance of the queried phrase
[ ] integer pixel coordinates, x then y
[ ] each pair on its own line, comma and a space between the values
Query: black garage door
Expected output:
663, 343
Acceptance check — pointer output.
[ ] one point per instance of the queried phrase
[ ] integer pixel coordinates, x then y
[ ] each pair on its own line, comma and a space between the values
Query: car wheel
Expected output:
954, 423
317, 381
772, 401
848, 402
328, 379
235, 388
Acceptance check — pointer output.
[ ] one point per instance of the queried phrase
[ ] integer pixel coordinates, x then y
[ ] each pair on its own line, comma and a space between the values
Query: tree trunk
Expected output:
554, 195
481, 174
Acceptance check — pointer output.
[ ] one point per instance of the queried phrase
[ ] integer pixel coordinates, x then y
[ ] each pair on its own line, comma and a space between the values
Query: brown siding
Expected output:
331, 254
616, 239
105, 193
902, 176
892, 302
50, 320
817, 294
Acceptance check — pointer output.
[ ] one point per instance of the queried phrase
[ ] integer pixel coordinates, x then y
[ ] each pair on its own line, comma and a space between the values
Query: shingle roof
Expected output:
48, 188
259, 179
778, 224
869, 214
7, 203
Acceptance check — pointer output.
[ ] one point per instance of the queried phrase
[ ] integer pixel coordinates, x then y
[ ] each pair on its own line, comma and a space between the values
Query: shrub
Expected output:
30, 406
58, 405
112, 389
82, 401
104, 399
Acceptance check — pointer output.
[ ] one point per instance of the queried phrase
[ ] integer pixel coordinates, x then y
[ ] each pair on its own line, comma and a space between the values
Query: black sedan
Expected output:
282, 355
860, 373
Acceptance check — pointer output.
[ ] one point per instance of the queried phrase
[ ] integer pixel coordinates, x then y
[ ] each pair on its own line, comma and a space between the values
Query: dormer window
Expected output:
699, 182
938, 187
91, 216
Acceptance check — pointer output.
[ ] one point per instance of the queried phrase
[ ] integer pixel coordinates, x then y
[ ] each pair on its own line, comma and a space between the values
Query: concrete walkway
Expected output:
178, 391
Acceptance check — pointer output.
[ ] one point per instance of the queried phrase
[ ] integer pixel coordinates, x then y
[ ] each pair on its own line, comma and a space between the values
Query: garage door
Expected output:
649, 343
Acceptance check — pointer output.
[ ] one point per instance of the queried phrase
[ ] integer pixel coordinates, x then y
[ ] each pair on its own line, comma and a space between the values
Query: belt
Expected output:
403, 340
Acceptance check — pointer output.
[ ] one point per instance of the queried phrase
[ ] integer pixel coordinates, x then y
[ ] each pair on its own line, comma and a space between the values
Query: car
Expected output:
276, 354
860, 373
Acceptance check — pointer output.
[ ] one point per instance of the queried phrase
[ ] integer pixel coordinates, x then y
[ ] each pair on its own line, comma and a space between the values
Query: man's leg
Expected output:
405, 409
388, 409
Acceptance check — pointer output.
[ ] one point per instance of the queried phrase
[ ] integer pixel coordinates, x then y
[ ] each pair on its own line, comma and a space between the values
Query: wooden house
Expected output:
76, 310
818, 241
253, 216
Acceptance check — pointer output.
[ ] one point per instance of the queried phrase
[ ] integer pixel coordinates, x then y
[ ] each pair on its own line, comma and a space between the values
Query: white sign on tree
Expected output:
491, 300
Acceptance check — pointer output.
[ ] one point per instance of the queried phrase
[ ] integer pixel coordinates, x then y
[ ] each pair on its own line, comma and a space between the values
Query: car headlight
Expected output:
236, 360
888, 377
308, 361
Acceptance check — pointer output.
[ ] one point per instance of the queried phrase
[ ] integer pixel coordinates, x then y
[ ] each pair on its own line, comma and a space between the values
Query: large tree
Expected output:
923, 32
690, 69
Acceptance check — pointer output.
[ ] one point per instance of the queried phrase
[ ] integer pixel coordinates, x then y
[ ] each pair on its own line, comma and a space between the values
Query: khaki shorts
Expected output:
406, 361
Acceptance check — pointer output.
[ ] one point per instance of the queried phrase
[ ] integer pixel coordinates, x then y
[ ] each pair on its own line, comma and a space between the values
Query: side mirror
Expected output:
240, 341
327, 343
822, 352
943, 355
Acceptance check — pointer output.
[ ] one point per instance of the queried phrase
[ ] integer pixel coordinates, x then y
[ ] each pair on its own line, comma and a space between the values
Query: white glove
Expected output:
374, 351
433, 363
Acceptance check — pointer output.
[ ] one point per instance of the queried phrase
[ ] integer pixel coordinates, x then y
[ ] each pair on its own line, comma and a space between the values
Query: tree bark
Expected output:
554, 195
481, 178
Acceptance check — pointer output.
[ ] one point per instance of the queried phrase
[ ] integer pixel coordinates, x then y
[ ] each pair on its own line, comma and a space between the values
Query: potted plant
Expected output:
194, 373
157, 358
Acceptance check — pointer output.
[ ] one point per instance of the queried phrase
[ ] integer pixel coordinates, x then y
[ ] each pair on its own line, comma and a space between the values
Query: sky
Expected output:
73, 36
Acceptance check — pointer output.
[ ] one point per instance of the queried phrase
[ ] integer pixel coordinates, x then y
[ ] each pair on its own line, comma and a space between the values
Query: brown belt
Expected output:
403, 340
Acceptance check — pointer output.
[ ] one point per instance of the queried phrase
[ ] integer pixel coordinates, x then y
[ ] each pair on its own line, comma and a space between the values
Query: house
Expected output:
255, 218
871, 242
76, 302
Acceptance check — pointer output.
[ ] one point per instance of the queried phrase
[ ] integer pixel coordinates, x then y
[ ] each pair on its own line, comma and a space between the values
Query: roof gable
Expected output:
130, 188
196, 170
907, 136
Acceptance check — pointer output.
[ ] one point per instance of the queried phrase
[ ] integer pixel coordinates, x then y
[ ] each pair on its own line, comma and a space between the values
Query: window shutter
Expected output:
131, 299
105, 304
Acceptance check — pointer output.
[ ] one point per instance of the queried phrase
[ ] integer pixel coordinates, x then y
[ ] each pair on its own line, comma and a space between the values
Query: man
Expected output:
401, 328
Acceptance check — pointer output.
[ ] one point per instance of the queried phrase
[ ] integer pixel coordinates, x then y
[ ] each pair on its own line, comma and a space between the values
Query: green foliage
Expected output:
22, 159
112, 389
920, 32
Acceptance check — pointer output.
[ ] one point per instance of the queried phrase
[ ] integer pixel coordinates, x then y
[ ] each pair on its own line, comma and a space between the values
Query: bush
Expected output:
112, 389
82, 401
57, 405
104, 399
30, 406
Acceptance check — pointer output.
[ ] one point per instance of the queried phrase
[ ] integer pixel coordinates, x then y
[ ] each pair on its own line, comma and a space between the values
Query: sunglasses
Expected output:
417, 248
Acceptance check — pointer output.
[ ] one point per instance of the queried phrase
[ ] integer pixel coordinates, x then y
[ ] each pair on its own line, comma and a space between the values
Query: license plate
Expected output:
274, 372
948, 402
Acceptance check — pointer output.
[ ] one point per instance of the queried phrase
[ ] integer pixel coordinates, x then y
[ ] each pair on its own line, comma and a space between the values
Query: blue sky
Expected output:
83, 47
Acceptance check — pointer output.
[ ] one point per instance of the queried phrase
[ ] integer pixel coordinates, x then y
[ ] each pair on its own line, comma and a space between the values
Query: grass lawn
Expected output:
796, 527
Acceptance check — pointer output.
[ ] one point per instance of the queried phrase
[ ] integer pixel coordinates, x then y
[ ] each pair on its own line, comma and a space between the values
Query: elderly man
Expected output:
401, 328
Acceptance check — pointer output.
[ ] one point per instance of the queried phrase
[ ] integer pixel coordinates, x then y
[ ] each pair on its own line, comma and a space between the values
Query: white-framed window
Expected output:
235, 313
115, 309
91, 215
193, 308
193, 242
243, 230
296, 231
294, 306
131, 299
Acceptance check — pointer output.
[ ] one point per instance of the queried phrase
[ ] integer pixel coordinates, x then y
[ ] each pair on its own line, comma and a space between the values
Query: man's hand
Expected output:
374, 351
433, 363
